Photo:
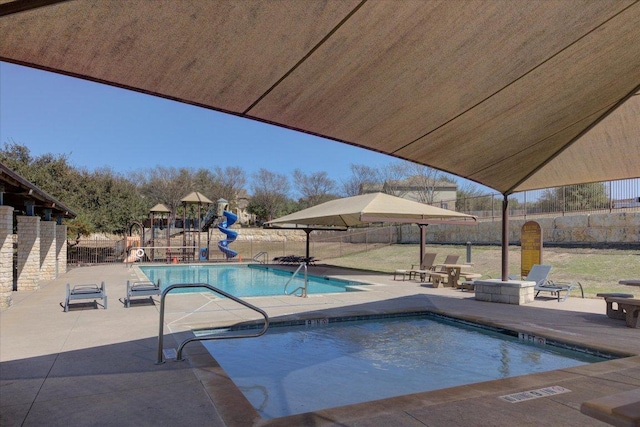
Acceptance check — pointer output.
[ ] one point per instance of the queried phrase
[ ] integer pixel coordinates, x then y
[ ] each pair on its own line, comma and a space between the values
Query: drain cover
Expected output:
534, 394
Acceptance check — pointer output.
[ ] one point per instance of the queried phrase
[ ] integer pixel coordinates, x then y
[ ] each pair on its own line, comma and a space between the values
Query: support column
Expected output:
48, 249
6, 256
61, 248
28, 253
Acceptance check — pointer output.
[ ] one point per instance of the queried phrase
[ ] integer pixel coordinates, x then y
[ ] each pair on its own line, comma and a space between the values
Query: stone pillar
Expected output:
6, 256
48, 250
28, 253
61, 249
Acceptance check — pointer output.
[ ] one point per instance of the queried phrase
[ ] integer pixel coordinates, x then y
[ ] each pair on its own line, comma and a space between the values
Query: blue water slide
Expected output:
229, 219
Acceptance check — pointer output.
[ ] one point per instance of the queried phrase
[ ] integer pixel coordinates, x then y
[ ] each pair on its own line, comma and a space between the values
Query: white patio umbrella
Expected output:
341, 214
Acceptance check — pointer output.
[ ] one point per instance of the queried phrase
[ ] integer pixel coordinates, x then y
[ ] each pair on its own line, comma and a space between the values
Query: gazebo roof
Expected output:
160, 208
196, 197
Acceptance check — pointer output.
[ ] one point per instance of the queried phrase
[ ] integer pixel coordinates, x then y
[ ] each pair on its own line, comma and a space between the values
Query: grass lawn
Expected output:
598, 270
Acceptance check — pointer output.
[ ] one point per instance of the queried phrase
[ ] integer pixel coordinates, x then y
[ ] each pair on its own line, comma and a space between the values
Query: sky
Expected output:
97, 125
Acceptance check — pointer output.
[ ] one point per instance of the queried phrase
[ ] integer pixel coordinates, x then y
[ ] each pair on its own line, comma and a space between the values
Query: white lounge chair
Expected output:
539, 275
144, 288
91, 291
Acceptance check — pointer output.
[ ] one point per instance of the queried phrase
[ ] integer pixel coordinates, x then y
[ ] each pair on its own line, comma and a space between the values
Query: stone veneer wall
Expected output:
28, 253
615, 228
6, 256
47, 250
61, 249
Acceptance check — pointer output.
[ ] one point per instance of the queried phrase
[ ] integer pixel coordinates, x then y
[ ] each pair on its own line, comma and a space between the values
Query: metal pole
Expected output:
505, 238
468, 252
423, 234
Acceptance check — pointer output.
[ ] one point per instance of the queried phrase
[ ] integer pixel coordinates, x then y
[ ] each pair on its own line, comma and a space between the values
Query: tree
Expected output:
270, 195
364, 179
167, 185
315, 188
574, 198
424, 182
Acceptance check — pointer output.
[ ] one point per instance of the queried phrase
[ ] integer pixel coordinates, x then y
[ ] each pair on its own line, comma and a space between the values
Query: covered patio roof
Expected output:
17, 191
515, 95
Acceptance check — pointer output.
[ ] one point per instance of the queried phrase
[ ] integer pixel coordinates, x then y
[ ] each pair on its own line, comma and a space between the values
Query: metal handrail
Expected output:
264, 255
306, 281
187, 341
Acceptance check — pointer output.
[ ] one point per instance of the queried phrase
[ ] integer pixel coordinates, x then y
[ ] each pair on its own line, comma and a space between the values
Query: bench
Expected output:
631, 309
437, 279
144, 288
556, 289
403, 272
612, 313
80, 292
467, 281
621, 409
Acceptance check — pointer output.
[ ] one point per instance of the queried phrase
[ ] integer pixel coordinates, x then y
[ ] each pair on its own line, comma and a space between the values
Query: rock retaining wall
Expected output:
597, 229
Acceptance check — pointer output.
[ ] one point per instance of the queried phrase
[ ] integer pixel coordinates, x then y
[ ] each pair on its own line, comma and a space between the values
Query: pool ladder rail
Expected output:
179, 357
303, 289
261, 257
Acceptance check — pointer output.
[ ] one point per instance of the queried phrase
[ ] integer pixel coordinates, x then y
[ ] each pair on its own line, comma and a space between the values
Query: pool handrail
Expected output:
299, 288
264, 255
169, 288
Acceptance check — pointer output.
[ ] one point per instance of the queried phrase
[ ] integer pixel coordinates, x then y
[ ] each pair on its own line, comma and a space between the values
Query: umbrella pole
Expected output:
423, 238
308, 232
505, 239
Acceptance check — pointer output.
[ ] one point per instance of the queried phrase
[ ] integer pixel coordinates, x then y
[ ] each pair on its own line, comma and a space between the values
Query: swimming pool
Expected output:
245, 281
292, 370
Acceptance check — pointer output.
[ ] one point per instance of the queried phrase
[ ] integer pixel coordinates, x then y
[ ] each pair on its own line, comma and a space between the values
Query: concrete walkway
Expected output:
97, 367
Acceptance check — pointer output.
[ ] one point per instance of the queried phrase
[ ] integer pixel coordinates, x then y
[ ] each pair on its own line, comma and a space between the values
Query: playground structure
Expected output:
150, 245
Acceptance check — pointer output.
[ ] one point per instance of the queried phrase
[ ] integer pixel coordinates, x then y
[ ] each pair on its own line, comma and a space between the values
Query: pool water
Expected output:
245, 281
293, 370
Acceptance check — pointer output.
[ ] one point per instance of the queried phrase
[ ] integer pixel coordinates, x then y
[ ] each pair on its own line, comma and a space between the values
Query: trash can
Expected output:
204, 254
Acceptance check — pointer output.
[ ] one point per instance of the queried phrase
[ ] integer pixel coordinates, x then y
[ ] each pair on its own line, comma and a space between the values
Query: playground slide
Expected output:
223, 245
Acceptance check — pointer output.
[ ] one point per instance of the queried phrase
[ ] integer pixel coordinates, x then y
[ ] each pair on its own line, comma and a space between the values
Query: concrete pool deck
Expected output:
97, 367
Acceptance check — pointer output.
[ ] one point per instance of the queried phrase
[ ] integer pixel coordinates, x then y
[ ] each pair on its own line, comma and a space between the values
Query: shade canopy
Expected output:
196, 197
514, 95
160, 208
369, 208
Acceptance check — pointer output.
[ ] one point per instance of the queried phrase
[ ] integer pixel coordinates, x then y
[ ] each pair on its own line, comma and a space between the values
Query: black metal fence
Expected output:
599, 197
322, 245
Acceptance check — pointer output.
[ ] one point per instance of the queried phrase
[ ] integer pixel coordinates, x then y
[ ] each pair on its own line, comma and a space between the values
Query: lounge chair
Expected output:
424, 267
145, 288
91, 291
539, 273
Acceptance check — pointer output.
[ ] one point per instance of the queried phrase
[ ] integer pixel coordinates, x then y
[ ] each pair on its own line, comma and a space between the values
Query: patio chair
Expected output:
424, 267
145, 288
539, 273
91, 291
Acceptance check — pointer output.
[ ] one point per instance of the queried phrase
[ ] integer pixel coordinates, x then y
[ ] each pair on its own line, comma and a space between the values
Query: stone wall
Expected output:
6, 256
613, 229
47, 250
616, 228
28, 253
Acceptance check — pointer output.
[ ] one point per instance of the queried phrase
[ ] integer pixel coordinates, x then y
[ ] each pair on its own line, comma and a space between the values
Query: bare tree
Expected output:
424, 181
270, 194
393, 177
315, 188
165, 185
364, 179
